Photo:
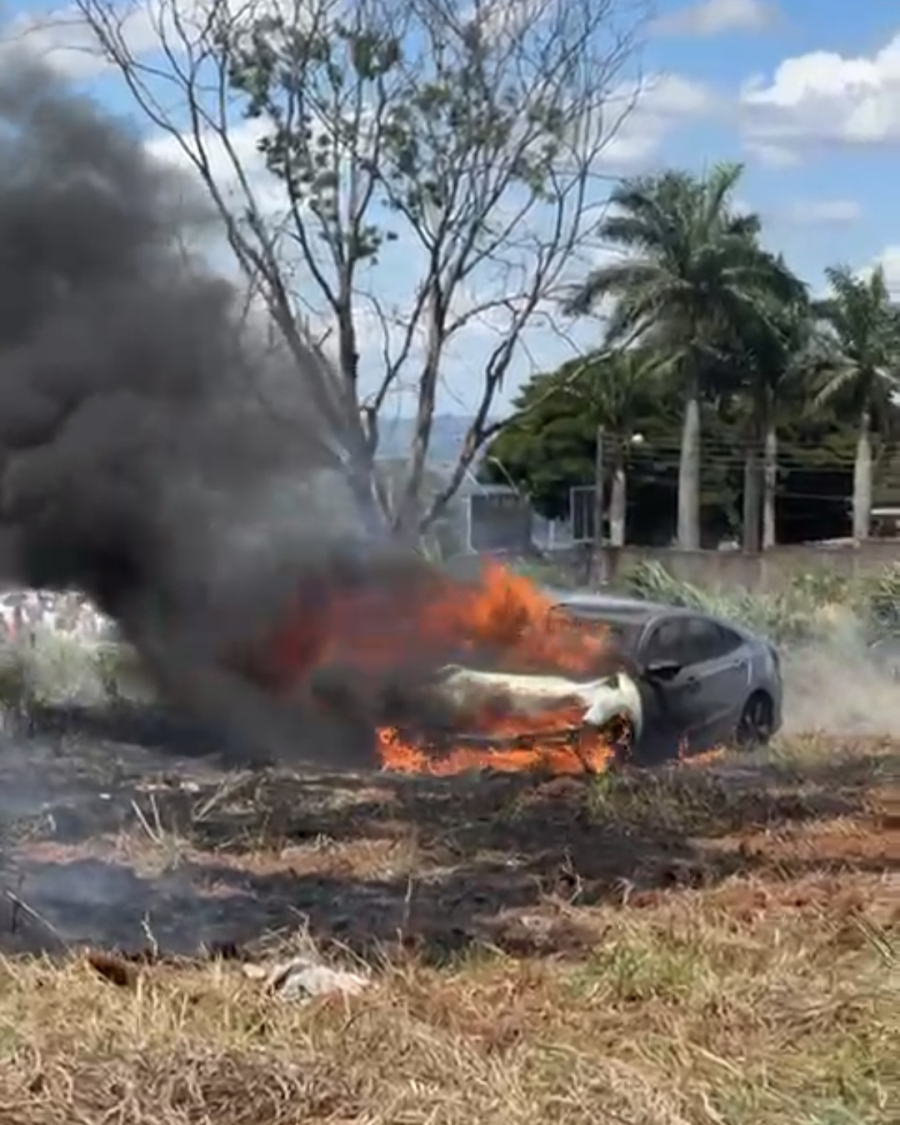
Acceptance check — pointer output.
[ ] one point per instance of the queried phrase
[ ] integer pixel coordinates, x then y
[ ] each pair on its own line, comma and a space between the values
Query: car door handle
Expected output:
692, 682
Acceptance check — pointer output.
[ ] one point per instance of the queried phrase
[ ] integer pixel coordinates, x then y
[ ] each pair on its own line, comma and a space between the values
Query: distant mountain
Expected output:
447, 436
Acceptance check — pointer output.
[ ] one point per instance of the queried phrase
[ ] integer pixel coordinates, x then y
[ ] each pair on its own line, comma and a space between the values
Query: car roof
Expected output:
614, 604
637, 610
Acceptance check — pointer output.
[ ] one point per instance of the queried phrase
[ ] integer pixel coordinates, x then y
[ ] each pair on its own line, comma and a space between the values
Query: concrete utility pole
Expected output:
598, 567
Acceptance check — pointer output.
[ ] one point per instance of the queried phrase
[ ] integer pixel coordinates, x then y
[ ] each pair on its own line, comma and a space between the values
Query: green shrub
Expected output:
878, 600
812, 608
56, 669
548, 573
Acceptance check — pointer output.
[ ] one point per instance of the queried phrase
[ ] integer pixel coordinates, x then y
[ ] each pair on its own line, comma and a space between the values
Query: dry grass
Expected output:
710, 946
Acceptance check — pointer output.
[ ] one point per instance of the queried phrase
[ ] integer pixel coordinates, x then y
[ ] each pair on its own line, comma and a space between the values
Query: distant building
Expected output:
479, 518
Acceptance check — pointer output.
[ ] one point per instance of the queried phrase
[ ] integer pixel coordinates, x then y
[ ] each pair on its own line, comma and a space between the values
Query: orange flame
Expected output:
591, 754
502, 618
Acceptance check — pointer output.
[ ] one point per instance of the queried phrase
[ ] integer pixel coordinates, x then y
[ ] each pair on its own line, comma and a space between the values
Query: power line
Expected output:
780, 493
738, 464
811, 452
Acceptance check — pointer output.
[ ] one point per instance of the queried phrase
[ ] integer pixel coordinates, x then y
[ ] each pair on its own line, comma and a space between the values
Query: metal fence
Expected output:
581, 513
498, 520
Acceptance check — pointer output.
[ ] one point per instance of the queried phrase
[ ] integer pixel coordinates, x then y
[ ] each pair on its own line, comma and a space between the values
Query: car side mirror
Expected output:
662, 670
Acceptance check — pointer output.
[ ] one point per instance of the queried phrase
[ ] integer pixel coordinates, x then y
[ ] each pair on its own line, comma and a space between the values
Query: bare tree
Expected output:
436, 167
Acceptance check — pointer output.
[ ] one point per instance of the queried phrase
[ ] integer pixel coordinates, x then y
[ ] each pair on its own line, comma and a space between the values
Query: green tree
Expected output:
863, 367
434, 168
613, 392
692, 267
551, 443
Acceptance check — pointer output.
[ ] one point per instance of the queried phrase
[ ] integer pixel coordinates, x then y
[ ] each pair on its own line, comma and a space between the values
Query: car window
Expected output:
702, 641
689, 640
707, 640
668, 641
728, 640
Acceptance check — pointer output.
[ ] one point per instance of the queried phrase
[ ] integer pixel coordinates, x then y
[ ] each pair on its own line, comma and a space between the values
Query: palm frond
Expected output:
633, 315
841, 278
744, 226
878, 287
614, 279
616, 387
631, 231
836, 379
718, 187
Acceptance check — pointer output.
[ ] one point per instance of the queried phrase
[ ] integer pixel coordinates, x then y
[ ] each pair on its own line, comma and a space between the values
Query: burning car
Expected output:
685, 682
449, 676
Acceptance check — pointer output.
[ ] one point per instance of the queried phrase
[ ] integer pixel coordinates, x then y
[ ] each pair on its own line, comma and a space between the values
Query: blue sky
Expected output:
806, 94
825, 187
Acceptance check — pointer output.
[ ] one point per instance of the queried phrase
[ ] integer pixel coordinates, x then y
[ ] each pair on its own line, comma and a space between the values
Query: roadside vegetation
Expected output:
815, 607
730, 404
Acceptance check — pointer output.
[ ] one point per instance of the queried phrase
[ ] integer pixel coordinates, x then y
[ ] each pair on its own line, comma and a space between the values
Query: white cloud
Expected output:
824, 212
826, 98
243, 138
665, 102
773, 156
63, 39
716, 17
507, 19
66, 42
661, 104
889, 259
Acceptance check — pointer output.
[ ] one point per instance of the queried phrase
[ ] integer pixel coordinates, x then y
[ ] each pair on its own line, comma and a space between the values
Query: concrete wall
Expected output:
768, 571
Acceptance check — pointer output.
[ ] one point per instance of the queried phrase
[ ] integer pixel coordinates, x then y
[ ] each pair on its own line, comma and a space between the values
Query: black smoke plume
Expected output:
152, 452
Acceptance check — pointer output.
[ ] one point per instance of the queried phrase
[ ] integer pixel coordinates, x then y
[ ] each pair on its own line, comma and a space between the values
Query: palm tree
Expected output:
614, 389
691, 266
864, 363
785, 382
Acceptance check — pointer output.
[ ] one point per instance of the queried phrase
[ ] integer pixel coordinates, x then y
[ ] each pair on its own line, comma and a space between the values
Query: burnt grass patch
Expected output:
119, 846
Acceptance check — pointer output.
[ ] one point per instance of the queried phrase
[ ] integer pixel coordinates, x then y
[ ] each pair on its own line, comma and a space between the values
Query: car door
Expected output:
721, 666
669, 703
696, 706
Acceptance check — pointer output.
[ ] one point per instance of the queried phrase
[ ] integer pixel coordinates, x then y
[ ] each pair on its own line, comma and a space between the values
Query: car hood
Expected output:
529, 695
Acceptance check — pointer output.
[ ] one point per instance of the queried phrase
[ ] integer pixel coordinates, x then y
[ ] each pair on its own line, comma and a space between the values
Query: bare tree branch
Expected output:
416, 168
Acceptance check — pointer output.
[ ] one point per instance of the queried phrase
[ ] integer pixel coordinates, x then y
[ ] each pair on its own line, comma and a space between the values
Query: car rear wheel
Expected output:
755, 726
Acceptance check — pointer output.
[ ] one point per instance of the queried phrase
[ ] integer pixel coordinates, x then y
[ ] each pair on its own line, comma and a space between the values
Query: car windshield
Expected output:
623, 629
